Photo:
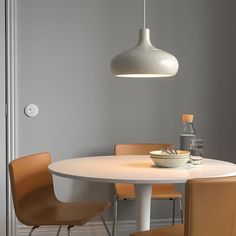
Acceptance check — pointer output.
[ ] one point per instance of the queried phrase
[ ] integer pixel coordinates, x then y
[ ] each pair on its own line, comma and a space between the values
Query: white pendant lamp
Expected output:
144, 60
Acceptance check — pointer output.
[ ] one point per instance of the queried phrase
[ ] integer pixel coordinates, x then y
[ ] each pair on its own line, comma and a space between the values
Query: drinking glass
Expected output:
196, 151
196, 147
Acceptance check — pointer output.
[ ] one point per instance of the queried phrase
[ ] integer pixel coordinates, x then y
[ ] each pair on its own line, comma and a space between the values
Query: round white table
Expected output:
140, 171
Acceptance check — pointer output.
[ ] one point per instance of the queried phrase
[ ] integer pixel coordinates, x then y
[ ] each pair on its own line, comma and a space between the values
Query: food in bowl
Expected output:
163, 159
163, 153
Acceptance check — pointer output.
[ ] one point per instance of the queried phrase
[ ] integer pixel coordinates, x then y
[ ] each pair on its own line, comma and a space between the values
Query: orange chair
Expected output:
159, 191
34, 200
210, 210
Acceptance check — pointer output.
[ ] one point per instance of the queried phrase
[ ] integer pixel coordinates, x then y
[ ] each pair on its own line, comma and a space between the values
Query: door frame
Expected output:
11, 68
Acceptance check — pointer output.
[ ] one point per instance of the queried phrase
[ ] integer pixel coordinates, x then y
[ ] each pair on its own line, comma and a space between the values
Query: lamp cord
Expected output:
144, 14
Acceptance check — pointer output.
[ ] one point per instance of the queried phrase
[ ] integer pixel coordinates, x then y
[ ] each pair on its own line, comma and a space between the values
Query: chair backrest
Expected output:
139, 148
31, 184
210, 207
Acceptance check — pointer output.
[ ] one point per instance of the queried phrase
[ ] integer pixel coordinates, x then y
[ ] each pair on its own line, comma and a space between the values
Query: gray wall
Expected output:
2, 123
64, 52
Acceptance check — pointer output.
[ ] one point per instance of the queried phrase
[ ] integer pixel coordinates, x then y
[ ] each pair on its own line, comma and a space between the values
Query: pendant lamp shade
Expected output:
144, 60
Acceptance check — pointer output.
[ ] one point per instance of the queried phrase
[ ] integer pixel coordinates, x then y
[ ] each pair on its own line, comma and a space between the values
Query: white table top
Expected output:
137, 170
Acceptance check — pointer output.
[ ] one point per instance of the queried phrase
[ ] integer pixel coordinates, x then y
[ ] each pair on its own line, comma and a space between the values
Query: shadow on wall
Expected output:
91, 191
75, 190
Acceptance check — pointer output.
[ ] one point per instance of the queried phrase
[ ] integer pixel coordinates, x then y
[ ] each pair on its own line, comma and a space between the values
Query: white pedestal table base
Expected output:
143, 194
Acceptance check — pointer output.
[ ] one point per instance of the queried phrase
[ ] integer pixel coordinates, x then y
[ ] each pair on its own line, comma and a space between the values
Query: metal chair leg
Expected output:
32, 229
59, 230
181, 210
68, 229
173, 214
105, 225
115, 215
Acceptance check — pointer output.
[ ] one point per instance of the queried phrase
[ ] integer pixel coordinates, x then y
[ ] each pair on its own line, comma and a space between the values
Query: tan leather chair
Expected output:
34, 200
159, 191
210, 210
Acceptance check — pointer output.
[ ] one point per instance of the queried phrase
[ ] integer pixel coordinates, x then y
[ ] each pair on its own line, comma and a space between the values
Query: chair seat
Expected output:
65, 213
175, 230
159, 191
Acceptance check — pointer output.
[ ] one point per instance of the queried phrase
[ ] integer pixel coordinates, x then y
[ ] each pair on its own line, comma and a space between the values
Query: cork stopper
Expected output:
186, 118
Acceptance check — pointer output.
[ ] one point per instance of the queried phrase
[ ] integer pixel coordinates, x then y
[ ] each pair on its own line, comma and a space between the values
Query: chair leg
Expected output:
105, 225
68, 229
181, 210
32, 229
59, 230
115, 215
173, 213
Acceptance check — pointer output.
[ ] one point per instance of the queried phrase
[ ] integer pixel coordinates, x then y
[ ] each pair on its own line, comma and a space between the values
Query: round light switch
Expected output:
31, 110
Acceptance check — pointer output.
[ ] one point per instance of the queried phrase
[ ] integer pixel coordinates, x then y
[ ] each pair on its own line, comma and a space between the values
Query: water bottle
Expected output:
188, 132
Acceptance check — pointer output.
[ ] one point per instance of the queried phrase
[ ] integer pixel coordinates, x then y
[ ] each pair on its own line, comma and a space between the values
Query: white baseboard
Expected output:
124, 228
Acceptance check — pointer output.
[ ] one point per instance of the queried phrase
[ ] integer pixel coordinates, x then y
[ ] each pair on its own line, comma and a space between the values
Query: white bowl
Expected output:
163, 159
